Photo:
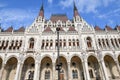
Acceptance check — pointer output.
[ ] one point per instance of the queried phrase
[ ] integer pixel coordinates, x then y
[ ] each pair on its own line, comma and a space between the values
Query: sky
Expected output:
19, 13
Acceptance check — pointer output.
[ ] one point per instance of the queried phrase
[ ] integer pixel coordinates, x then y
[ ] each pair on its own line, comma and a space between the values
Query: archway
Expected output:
46, 69
94, 68
64, 69
76, 69
10, 69
111, 67
28, 69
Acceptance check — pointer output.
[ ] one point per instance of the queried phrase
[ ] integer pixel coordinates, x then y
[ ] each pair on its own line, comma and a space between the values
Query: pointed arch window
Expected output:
43, 44
69, 42
89, 42
112, 43
107, 43
30, 75
31, 44
74, 42
78, 43
47, 75
64, 43
103, 42
116, 43
51, 43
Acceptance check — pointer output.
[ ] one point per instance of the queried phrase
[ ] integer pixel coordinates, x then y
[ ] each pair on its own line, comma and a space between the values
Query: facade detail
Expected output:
86, 52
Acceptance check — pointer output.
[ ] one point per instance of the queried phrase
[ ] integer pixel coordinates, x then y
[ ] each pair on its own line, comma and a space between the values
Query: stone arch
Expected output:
27, 56
109, 54
89, 55
76, 65
64, 68
94, 69
28, 69
46, 66
11, 57
10, 69
62, 55
111, 67
75, 55
47, 55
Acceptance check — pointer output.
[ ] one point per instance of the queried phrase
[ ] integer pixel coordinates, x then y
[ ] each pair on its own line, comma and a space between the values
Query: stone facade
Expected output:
86, 53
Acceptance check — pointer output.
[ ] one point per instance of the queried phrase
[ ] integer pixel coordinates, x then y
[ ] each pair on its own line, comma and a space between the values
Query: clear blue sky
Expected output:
19, 13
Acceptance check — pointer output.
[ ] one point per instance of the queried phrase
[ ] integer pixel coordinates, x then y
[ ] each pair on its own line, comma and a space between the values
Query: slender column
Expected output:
118, 67
1, 72
69, 71
86, 72
104, 69
37, 70
19, 69
53, 75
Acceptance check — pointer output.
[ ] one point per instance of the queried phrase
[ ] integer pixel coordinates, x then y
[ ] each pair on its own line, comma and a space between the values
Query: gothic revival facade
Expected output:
86, 52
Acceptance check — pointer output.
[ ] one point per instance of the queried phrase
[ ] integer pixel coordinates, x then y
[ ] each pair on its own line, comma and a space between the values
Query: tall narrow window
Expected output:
56, 43
103, 42
112, 43
107, 43
77, 42
64, 43
47, 75
69, 42
51, 44
73, 42
116, 43
91, 73
43, 44
60, 43
99, 43
89, 42
31, 44
47, 42
75, 74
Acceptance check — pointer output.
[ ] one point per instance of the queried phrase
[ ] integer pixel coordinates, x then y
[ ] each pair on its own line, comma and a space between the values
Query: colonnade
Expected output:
89, 68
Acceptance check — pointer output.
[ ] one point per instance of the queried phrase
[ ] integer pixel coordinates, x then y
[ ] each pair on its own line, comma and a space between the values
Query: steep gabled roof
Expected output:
41, 13
108, 27
97, 28
10, 29
21, 29
56, 17
76, 13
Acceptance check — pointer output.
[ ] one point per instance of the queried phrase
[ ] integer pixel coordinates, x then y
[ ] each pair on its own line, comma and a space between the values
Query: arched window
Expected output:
103, 42
75, 74
60, 43
99, 43
89, 42
47, 75
31, 44
116, 43
112, 43
107, 43
74, 42
47, 43
64, 43
56, 43
69, 42
51, 44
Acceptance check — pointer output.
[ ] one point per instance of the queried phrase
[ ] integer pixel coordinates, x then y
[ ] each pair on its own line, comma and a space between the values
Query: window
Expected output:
69, 42
30, 75
60, 43
89, 42
112, 43
31, 46
75, 74
47, 75
107, 43
91, 73
103, 42
43, 44
51, 43
77, 42
99, 43
73, 42
116, 43
64, 43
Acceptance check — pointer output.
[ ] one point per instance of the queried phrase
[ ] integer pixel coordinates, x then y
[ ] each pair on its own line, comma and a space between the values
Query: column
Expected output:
53, 73
118, 67
18, 71
37, 70
86, 72
104, 69
1, 72
69, 72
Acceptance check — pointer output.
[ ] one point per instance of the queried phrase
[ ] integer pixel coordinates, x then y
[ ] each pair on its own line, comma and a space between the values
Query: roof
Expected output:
97, 28
71, 28
48, 29
108, 27
21, 29
61, 29
56, 17
10, 29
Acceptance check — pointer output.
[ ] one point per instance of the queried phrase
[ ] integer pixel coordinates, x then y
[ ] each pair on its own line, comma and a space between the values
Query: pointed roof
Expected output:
41, 13
61, 29
10, 29
97, 28
108, 27
48, 29
21, 29
118, 27
71, 28
56, 17
75, 11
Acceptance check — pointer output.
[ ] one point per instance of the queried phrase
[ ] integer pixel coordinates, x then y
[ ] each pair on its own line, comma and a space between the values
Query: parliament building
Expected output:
86, 52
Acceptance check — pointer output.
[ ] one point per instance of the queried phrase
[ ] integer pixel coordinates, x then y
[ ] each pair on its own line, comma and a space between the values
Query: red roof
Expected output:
61, 29
10, 29
97, 28
76, 13
57, 17
71, 28
118, 27
108, 28
48, 29
21, 29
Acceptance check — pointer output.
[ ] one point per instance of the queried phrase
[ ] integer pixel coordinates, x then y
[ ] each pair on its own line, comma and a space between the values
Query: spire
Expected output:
75, 10
41, 13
